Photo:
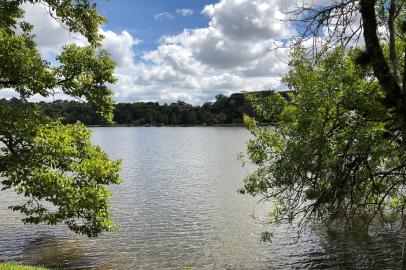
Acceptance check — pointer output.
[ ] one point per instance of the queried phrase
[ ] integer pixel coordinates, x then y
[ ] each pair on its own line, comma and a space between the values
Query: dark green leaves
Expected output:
22, 67
80, 16
85, 72
333, 153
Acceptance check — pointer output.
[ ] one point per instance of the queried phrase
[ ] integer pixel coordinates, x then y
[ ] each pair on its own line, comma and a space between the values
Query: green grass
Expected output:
9, 266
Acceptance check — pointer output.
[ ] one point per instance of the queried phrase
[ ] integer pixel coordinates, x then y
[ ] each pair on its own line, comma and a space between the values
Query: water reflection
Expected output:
55, 252
179, 207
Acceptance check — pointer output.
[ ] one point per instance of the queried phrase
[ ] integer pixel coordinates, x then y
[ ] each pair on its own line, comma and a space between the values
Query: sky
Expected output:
189, 50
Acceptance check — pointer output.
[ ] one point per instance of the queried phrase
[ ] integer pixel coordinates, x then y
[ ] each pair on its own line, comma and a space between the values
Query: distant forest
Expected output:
225, 110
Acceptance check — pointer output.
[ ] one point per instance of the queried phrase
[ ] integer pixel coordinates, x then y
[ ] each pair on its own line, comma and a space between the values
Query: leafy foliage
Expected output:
332, 154
55, 166
337, 151
82, 72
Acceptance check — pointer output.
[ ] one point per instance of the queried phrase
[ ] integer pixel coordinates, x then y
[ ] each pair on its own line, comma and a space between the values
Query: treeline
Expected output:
225, 110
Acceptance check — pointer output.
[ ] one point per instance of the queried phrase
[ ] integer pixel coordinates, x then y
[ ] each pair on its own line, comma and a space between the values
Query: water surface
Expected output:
179, 206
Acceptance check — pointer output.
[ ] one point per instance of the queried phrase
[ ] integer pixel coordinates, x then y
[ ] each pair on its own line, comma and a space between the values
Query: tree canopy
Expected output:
225, 110
63, 177
337, 152
381, 24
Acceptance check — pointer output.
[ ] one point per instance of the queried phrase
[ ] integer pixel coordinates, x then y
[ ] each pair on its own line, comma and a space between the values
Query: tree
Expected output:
173, 119
337, 152
54, 166
342, 22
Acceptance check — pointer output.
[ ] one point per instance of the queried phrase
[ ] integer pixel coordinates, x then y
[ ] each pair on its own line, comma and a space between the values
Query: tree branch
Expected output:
395, 97
380, 66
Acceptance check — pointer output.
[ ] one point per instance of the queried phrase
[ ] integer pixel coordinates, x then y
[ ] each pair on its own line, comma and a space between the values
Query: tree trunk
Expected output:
392, 43
380, 65
395, 98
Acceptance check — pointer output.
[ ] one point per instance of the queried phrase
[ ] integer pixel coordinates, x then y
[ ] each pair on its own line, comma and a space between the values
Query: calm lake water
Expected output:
179, 206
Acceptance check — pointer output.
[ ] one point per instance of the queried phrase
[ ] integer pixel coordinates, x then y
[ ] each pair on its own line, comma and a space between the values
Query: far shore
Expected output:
155, 125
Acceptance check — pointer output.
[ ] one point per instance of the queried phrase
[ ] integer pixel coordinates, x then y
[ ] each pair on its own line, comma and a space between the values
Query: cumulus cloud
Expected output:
185, 12
253, 20
234, 52
120, 46
52, 35
163, 16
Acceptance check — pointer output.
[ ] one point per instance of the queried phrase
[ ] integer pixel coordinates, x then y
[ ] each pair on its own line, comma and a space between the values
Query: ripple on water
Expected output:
177, 207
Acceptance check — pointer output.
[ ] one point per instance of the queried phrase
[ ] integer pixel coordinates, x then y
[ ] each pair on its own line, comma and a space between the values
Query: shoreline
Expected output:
129, 125
220, 125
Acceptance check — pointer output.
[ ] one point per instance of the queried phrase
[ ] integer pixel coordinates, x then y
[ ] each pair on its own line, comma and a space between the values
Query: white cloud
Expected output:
185, 12
234, 52
120, 46
254, 20
163, 16
52, 35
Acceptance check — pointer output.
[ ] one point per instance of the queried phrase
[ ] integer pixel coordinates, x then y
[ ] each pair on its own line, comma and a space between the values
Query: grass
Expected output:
10, 266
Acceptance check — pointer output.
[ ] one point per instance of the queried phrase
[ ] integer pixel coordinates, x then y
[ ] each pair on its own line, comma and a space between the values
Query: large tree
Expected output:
330, 155
337, 152
380, 24
63, 177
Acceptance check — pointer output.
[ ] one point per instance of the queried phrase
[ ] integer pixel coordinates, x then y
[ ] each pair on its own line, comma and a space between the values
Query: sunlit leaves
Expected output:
332, 154
63, 177
56, 166
82, 72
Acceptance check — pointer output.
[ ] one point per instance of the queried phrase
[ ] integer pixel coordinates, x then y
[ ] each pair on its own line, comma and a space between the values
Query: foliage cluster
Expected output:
331, 155
337, 153
63, 177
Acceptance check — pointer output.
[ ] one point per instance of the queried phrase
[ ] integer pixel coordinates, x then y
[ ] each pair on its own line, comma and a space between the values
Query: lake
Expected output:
178, 207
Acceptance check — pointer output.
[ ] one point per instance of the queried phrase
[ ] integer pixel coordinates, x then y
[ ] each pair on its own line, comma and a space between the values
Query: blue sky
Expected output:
137, 17
189, 50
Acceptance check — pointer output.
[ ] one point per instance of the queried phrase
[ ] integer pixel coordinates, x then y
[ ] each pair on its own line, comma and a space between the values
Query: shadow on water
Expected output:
55, 252
320, 249
380, 248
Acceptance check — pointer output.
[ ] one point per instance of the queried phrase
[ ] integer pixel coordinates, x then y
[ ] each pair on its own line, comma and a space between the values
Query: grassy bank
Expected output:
9, 266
